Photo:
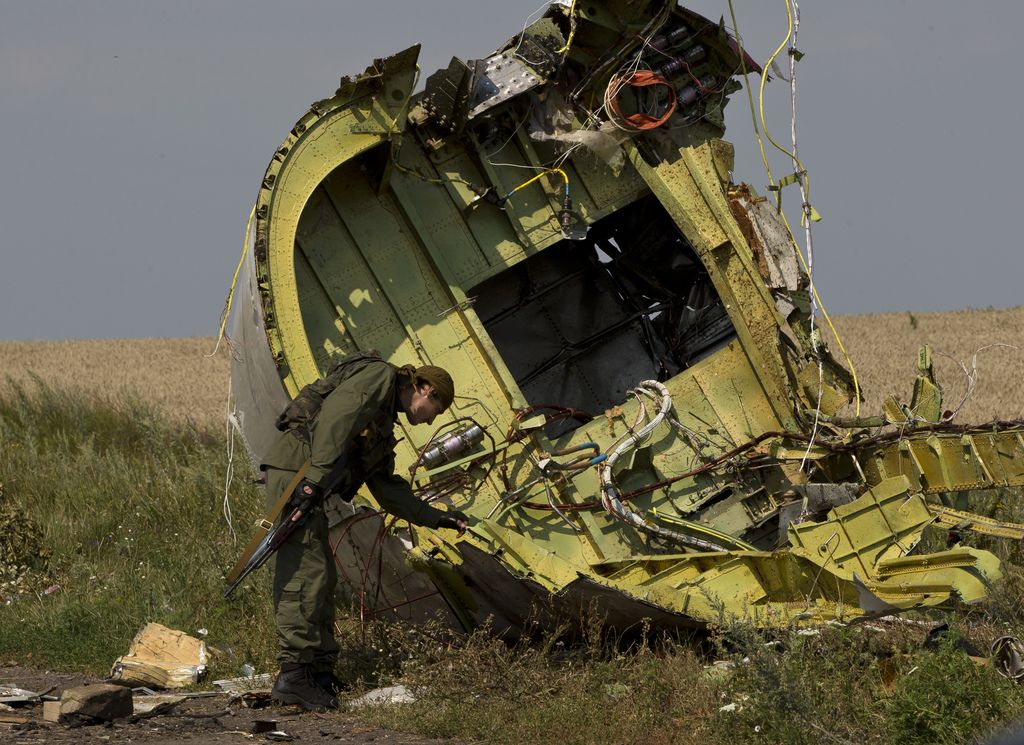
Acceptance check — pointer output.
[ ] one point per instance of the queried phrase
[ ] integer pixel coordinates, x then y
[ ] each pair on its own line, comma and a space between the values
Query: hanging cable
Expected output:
231, 421
793, 12
750, 95
234, 281
808, 213
771, 180
229, 424
572, 29
764, 79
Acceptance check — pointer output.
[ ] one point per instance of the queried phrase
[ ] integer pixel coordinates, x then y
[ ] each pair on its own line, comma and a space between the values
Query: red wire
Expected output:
642, 79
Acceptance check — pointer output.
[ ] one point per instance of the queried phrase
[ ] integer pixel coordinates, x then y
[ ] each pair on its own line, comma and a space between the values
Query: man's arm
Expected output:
395, 495
345, 413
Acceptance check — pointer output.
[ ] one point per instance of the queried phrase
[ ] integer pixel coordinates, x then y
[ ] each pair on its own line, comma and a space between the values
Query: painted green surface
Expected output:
368, 238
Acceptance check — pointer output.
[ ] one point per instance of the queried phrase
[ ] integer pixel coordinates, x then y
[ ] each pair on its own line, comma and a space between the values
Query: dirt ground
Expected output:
217, 719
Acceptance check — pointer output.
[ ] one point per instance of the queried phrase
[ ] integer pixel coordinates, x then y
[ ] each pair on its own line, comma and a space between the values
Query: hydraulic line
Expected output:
609, 493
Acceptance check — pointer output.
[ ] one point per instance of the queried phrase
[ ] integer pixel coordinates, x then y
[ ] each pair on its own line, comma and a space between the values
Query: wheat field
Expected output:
175, 375
179, 377
989, 344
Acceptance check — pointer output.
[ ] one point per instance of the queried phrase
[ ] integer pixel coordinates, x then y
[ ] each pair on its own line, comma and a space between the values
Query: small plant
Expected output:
787, 687
948, 698
544, 690
121, 511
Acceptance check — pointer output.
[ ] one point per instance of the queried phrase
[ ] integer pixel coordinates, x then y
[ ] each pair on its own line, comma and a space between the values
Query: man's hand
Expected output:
454, 520
306, 497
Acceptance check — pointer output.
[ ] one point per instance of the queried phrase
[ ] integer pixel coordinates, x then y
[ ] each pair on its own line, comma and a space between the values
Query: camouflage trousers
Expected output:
305, 577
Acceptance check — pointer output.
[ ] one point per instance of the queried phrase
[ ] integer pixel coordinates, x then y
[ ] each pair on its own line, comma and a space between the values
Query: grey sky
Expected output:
136, 134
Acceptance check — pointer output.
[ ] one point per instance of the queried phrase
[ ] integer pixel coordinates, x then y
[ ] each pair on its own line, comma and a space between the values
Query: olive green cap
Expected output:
442, 381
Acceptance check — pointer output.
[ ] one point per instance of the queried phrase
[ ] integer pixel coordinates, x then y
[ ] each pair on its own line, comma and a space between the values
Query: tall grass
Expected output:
129, 511
862, 684
648, 692
120, 508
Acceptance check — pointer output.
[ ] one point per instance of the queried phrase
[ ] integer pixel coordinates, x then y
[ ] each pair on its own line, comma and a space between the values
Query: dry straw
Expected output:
176, 375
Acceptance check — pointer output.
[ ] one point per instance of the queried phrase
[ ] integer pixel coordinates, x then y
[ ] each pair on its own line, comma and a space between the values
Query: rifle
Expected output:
270, 534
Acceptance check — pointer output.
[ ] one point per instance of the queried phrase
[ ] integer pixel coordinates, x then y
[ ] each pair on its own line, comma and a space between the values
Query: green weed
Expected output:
489, 691
129, 511
787, 687
111, 517
947, 698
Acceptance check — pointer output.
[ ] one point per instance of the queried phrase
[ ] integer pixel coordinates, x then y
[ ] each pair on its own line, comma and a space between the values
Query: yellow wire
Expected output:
824, 312
764, 80
234, 280
559, 171
750, 96
572, 28
807, 184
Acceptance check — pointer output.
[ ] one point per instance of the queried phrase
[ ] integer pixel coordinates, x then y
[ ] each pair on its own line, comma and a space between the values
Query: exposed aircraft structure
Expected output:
645, 422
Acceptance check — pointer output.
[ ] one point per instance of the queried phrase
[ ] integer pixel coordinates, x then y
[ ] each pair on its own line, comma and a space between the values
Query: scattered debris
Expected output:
151, 706
389, 695
616, 691
1007, 654
719, 668
261, 682
164, 716
253, 699
51, 711
163, 658
100, 702
9, 694
264, 725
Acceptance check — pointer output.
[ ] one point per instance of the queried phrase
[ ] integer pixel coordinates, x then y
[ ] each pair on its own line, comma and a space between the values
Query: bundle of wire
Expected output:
639, 121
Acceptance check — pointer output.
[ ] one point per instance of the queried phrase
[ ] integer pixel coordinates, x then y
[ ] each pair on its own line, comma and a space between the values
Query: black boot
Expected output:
295, 685
328, 681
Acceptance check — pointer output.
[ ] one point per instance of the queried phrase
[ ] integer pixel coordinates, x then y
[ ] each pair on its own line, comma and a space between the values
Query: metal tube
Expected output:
452, 446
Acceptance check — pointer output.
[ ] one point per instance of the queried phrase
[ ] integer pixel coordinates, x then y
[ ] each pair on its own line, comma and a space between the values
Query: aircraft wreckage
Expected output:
647, 422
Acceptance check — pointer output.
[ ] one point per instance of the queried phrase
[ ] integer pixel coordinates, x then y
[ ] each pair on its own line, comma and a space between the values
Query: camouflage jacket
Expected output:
356, 420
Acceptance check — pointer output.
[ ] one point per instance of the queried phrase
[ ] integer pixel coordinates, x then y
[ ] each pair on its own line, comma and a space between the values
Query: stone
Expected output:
101, 701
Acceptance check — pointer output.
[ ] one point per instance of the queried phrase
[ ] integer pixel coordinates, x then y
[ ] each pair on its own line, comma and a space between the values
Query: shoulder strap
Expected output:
301, 413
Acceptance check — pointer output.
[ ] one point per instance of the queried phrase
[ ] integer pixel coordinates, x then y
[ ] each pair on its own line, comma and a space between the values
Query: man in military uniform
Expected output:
347, 435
